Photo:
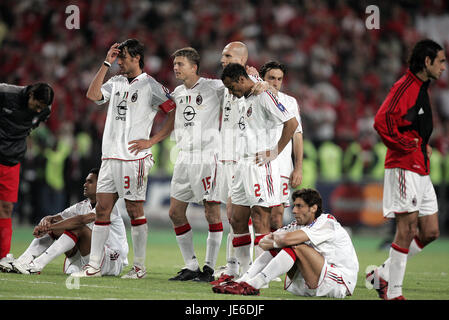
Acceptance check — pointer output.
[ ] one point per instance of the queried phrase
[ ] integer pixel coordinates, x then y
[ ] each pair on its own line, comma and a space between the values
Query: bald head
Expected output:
234, 52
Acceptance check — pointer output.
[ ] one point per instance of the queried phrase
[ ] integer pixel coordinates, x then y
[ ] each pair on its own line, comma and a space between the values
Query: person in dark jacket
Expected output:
404, 123
22, 108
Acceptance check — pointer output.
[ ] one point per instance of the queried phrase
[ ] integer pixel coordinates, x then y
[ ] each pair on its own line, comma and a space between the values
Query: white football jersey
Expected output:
197, 119
258, 123
229, 127
132, 108
332, 241
82, 207
285, 157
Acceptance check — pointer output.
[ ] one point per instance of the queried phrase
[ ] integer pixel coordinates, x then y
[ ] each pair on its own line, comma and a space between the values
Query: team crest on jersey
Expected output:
249, 112
199, 99
414, 201
134, 97
167, 92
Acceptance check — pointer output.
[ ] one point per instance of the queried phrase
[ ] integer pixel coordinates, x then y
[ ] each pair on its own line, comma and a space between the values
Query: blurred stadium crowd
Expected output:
339, 71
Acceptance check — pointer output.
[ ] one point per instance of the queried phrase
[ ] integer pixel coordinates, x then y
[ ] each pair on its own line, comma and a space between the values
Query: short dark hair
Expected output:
234, 71
42, 92
191, 54
424, 48
134, 47
272, 65
94, 171
310, 197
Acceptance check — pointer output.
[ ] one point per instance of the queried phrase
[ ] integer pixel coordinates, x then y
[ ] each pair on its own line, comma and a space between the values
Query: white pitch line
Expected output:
49, 282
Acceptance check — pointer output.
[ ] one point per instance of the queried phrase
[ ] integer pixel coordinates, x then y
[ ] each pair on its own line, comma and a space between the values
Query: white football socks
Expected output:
139, 235
100, 233
277, 266
35, 249
242, 246
414, 249
213, 244
65, 242
396, 272
184, 237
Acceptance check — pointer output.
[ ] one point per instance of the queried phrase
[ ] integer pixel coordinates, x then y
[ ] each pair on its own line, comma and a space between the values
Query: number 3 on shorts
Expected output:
126, 182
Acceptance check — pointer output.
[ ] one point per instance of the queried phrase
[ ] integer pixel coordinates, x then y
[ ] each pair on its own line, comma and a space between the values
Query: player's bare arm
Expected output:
138, 145
267, 242
296, 175
67, 224
47, 220
289, 128
94, 91
286, 239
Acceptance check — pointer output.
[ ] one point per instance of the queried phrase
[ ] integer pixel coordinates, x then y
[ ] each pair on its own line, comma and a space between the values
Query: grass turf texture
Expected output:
426, 277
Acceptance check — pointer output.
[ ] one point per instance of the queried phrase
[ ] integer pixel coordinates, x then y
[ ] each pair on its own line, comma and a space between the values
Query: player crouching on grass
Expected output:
314, 250
70, 232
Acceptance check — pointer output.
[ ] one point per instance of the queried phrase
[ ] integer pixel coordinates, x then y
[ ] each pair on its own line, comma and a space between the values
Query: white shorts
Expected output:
407, 191
256, 185
193, 178
285, 191
224, 177
330, 284
111, 265
127, 178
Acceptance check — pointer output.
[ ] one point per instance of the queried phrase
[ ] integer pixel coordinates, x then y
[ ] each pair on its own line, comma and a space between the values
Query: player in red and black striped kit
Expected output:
404, 123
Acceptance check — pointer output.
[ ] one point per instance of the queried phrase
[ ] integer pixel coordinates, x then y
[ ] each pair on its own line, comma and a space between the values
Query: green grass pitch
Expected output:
426, 277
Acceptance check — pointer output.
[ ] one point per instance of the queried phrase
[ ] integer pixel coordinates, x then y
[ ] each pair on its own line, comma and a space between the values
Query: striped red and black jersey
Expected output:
404, 116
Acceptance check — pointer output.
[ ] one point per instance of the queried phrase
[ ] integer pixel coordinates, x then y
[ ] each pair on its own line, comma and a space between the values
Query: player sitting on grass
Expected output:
69, 232
314, 250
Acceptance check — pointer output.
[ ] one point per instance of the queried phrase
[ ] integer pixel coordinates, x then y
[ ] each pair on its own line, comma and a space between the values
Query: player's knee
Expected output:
430, 236
6, 209
238, 225
134, 209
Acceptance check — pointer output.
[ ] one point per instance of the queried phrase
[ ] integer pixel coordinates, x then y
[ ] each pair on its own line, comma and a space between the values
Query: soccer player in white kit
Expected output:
233, 52
315, 251
196, 132
256, 178
291, 171
134, 99
70, 232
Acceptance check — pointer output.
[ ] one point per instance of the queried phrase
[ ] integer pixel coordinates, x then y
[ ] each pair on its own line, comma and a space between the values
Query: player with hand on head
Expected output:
256, 177
290, 171
404, 123
134, 99
315, 251
22, 109
196, 132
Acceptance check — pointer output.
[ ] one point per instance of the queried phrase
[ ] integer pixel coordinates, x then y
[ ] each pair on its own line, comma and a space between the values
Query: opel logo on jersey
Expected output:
189, 113
121, 110
242, 124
